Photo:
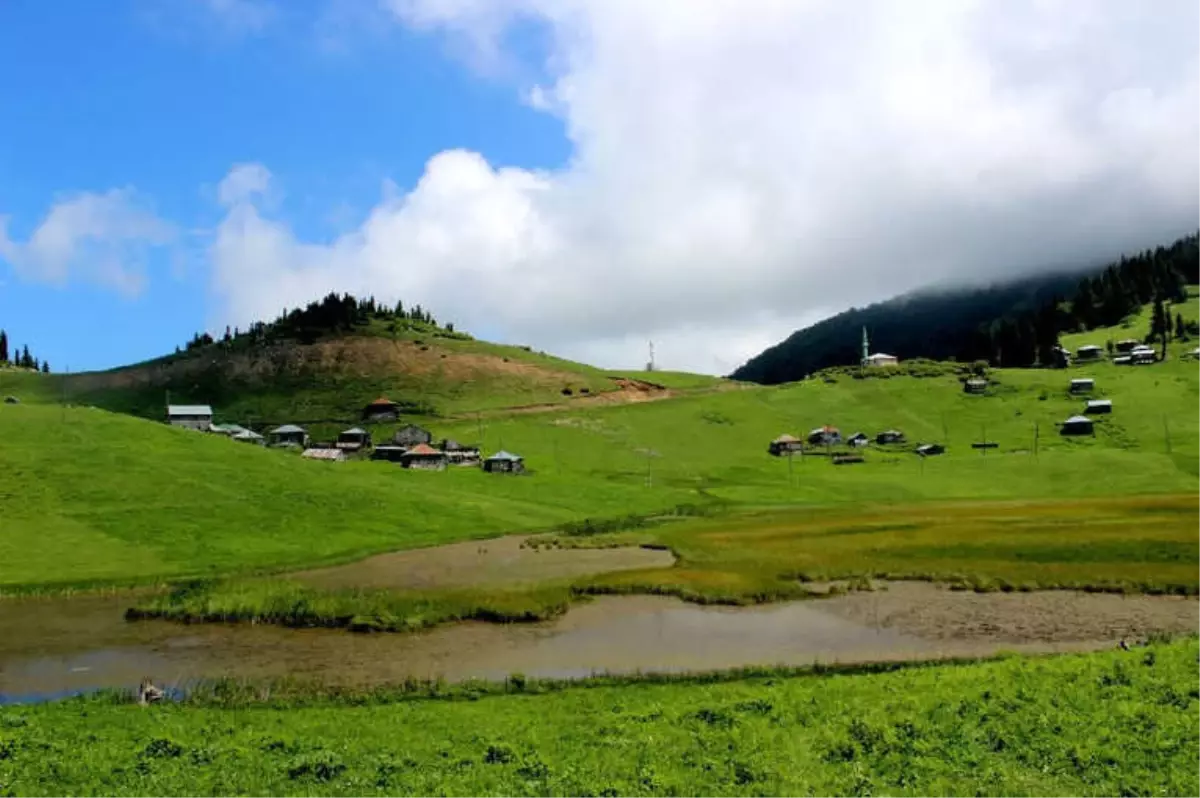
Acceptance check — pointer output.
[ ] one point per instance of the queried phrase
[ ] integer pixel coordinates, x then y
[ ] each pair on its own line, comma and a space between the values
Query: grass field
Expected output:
1111, 723
94, 497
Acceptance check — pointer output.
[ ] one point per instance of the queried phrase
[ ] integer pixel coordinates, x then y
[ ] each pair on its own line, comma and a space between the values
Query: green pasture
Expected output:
1108, 723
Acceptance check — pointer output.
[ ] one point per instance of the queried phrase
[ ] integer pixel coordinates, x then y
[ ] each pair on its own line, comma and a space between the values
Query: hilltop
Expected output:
323, 363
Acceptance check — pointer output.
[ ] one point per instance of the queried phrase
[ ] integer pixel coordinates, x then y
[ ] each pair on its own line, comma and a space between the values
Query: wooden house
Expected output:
1142, 355
1127, 345
392, 454
382, 409
1077, 425
248, 436
411, 435
288, 435
1082, 385
1089, 352
353, 439
975, 385
890, 436
504, 463
931, 449
825, 436
1099, 406
197, 417
858, 440
424, 456
460, 453
226, 429
784, 444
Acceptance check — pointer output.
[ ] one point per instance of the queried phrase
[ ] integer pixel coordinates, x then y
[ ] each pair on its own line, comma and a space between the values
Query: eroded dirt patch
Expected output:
488, 563
934, 612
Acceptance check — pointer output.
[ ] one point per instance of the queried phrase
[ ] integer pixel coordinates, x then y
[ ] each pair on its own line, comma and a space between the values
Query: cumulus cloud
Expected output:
104, 239
739, 169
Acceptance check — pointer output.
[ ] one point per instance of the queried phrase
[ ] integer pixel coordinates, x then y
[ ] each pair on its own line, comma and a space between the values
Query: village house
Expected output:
975, 385
930, 449
392, 454
858, 439
784, 444
248, 436
1123, 360
288, 435
382, 409
1060, 358
1127, 345
880, 359
1095, 406
825, 436
1082, 385
197, 417
1089, 352
226, 429
459, 453
334, 455
889, 437
424, 456
411, 435
504, 463
1142, 355
353, 439
1077, 425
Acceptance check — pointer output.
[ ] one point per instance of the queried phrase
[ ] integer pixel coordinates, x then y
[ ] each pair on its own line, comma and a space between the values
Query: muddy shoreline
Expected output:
50, 647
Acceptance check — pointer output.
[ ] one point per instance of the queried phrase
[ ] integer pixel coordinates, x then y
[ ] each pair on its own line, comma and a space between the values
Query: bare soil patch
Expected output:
488, 563
933, 612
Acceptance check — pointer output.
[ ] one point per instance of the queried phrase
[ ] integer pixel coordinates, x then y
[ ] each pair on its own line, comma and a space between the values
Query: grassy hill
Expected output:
92, 496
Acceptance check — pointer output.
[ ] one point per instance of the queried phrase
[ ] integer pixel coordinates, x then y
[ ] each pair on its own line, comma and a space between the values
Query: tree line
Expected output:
1103, 299
20, 357
1013, 324
333, 315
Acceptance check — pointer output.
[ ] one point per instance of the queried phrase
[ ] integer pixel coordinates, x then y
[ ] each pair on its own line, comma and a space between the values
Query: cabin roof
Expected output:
286, 429
355, 431
503, 455
189, 410
423, 449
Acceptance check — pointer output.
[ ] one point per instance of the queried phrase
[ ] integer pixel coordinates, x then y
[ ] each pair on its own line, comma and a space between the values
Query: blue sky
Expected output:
581, 176
124, 94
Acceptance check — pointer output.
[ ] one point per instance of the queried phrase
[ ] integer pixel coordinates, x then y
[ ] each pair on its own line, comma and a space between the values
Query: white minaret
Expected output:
865, 347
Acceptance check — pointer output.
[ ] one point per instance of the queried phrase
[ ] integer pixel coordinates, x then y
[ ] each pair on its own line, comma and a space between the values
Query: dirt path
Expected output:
933, 612
487, 563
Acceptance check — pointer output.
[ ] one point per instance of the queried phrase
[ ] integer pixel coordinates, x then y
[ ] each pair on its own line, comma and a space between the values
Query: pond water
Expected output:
50, 647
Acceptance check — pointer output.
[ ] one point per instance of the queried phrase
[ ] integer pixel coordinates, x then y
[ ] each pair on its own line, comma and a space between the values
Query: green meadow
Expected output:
1108, 723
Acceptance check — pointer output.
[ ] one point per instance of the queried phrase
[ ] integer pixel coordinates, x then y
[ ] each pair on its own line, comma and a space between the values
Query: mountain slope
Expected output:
929, 325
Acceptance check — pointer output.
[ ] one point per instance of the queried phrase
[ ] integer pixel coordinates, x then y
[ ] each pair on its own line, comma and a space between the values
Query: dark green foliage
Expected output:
332, 316
1011, 325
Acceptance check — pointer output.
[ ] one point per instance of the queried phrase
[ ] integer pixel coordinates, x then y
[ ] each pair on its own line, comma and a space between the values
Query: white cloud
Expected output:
244, 182
100, 238
739, 166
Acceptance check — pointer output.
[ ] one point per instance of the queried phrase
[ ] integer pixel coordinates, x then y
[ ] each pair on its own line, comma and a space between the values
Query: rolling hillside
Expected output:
427, 373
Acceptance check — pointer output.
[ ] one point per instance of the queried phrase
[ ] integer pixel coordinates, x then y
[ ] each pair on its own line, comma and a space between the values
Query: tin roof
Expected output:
382, 401
1078, 420
1088, 347
323, 454
247, 435
189, 410
1081, 380
354, 431
785, 438
1099, 402
503, 455
286, 429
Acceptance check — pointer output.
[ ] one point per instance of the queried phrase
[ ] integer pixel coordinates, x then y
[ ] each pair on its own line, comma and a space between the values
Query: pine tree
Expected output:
1160, 324
3, 347
45, 366
26, 359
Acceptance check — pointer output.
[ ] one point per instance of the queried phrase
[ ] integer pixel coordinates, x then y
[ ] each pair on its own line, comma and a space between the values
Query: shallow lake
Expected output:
51, 647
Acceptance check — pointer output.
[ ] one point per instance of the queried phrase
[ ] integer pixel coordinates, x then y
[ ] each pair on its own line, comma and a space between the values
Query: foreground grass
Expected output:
1110, 723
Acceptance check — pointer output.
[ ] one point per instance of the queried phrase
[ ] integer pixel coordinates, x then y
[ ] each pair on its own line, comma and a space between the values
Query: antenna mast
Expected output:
650, 363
